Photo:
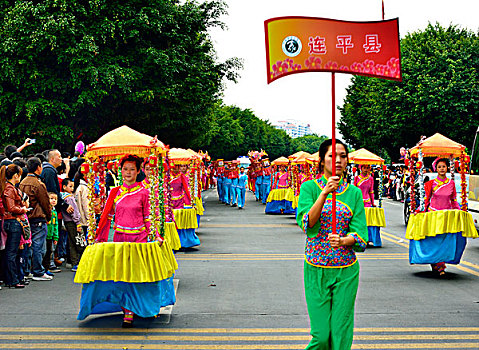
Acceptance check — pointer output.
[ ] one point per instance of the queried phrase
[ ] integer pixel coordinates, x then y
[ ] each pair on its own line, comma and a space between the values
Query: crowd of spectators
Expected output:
43, 212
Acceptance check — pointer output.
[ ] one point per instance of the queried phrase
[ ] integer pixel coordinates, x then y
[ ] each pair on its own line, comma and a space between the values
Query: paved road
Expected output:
243, 289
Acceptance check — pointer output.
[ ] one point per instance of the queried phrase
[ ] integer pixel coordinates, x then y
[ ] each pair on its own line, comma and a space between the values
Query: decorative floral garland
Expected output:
412, 194
463, 181
381, 186
422, 191
87, 170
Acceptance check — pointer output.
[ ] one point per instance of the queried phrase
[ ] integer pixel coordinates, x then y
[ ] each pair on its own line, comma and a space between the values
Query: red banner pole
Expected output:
333, 146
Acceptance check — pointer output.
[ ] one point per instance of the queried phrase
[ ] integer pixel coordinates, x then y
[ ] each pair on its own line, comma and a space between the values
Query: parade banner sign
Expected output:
309, 44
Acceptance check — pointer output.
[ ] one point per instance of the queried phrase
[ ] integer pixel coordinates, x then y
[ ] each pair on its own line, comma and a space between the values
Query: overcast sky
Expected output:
307, 96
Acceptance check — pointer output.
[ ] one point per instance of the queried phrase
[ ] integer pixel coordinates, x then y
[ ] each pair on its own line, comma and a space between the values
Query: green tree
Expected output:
236, 131
308, 143
69, 67
439, 93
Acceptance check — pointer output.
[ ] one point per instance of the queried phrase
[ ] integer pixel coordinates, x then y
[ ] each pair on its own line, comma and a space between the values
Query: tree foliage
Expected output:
69, 67
439, 93
236, 131
308, 143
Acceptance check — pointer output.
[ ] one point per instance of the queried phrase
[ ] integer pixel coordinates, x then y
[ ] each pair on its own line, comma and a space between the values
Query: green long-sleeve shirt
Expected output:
350, 220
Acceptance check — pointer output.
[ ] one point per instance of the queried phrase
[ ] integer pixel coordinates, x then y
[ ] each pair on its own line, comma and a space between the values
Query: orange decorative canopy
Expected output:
438, 146
280, 161
180, 156
125, 140
363, 156
314, 158
299, 157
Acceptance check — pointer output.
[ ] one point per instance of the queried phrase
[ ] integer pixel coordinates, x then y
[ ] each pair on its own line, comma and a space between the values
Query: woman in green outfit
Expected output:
331, 270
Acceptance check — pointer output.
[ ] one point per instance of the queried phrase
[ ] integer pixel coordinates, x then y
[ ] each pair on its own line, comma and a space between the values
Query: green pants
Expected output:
330, 296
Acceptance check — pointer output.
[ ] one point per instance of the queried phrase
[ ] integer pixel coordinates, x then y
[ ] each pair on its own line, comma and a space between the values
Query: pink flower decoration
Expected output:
313, 62
393, 64
331, 65
380, 69
280, 68
369, 66
296, 67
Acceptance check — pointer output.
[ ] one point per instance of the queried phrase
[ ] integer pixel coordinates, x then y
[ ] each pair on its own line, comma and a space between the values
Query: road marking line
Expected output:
230, 338
234, 346
228, 330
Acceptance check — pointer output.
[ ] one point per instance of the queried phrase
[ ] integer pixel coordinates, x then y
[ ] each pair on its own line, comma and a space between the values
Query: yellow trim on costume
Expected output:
345, 187
280, 194
347, 206
129, 231
295, 202
331, 267
185, 218
171, 235
438, 222
199, 206
375, 216
126, 262
358, 235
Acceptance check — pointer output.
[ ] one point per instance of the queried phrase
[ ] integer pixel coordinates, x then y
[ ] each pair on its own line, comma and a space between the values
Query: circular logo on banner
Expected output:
292, 46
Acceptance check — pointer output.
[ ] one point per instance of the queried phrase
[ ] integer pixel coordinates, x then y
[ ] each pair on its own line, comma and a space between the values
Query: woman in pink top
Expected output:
446, 247
129, 205
365, 182
281, 178
181, 197
180, 193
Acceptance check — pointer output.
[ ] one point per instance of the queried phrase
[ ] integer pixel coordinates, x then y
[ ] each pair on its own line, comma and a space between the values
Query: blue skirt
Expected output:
198, 218
447, 247
143, 299
188, 237
274, 207
375, 236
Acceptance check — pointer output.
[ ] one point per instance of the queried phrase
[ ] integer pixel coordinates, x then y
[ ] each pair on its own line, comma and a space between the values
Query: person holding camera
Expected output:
38, 216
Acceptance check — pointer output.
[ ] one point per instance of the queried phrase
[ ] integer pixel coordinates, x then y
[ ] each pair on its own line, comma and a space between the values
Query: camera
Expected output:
33, 140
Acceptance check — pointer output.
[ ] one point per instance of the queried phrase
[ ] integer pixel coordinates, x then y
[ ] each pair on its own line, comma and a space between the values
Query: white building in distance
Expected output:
293, 128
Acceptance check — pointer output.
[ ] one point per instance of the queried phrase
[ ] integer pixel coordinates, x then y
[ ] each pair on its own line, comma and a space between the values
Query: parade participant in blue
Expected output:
259, 181
219, 169
234, 183
241, 189
266, 183
331, 269
227, 183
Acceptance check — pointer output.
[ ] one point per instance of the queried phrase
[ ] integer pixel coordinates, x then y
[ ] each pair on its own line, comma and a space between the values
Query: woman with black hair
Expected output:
331, 271
129, 207
14, 210
442, 247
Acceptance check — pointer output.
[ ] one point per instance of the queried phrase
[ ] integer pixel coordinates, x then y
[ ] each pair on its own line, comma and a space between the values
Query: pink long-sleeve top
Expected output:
366, 185
131, 209
180, 194
440, 195
282, 180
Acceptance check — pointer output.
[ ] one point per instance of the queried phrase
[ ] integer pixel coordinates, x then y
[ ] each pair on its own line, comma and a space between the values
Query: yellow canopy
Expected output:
180, 155
280, 161
125, 140
363, 156
314, 158
438, 146
299, 157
